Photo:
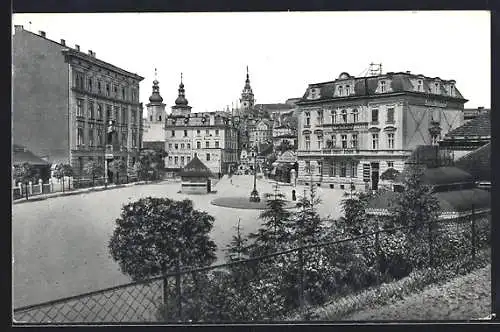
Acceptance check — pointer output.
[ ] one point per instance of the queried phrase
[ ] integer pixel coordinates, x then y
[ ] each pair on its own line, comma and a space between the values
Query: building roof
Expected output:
438, 176
477, 163
21, 155
367, 86
449, 201
480, 126
278, 106
470, 113
430, 156
196, 168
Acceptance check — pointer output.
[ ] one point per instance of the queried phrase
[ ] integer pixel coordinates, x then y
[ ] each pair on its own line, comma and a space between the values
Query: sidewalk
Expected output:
40, 197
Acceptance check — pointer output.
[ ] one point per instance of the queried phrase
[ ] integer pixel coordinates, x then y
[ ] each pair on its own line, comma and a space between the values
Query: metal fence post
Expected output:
178, 288
301, 281
473, 232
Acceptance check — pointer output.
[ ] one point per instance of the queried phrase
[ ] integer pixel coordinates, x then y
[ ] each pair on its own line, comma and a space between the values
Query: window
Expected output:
100, 136
99, 87
182, 145
150, 118
452, 90
355, 115
208, 156
308, 142
185, 133
307, 167
182, 160
374, 141
134, 94
207, 145
375, 115
79, 107
108, 112
170, 159
347, 90
198, 132
124, 115
134, 138
188, 159
189, 145
343, 170
390, 164
354, 170
334, 117
320, 141
340, 91
89, 84
216, 132
176, 146
117, 113
217, 144
79, 138
134, 116
320, 167
382, 86
390, 115
115, 89
354, 141
344, 141
176, 160
436, 88
172, 133
320, 117
79, 81
420, 86
308, 118
91, 136
390, 140
108, 89
99, 111
124, 137
344, 116
91, 109
333, 171
198, 145
207, 132
334, 141
170, 146
123, 93
435, 139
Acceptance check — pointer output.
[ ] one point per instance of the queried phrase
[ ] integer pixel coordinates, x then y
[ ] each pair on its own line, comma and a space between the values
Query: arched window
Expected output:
334, 116
355, 115
344, 116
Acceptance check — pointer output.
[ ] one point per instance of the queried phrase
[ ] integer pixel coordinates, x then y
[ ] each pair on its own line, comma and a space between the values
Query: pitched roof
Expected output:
21, 155
477, 163
196, 168
480, 126
438, 176
366, 86
274, 106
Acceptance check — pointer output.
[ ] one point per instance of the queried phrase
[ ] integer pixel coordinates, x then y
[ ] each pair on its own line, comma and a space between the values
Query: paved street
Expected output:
60, 244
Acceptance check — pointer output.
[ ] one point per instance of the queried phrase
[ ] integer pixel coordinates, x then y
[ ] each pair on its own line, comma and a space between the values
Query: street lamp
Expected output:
254, 195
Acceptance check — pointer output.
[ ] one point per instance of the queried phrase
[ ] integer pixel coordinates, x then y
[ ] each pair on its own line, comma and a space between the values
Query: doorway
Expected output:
375, 175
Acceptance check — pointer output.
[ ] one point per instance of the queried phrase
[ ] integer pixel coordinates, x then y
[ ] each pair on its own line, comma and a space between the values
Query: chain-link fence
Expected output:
270, 287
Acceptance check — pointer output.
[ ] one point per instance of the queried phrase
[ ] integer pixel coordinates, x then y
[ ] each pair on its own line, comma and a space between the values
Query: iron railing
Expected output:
192, 294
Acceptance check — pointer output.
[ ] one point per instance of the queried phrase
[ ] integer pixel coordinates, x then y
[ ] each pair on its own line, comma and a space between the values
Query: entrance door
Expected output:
375, 175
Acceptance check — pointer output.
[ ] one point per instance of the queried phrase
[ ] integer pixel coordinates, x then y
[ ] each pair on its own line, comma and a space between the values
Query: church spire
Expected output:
155, 96
181, 99
247, 99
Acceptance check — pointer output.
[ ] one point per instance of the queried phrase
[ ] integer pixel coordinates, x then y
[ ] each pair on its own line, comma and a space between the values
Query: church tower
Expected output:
156, 108
181, 106
247, 100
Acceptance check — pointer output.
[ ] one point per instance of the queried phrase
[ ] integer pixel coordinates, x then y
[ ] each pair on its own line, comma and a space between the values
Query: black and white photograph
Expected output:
235, 167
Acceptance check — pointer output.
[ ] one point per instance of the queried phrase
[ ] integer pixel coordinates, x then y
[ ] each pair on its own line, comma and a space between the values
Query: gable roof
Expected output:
480, 126
21, 155
196, 168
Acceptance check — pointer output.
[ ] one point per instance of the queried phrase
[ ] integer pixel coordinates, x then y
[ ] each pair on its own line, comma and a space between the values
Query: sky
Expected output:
284, 51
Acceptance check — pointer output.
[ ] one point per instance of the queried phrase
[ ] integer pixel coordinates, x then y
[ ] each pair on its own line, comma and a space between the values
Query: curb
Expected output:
79, 191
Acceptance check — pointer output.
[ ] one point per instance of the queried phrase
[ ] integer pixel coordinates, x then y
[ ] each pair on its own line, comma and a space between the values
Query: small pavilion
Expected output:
196, 177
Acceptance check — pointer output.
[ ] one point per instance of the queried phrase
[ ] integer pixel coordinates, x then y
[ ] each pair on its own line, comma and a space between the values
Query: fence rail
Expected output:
197, 295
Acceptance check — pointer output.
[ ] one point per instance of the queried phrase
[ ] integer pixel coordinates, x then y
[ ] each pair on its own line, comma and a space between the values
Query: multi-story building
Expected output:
354, 128
154, 124
261, 132
210, 136
71, 107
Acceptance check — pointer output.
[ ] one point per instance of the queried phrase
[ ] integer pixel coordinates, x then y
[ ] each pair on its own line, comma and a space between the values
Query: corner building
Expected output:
353, 129
211, 136
71, 107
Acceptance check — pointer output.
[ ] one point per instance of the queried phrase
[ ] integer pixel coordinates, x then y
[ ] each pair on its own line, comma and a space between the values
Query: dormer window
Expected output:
382, 86
436, 88
313, 93
452, 90
420, 86
340, 91
347, 90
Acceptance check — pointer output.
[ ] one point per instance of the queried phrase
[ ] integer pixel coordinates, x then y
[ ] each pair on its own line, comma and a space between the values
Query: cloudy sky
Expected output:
284, 51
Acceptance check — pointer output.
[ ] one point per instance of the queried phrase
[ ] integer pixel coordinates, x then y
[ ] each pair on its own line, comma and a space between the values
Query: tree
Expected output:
273, 235
154, 236
307, 225
118, 167
25, 173
285, 146
355, 221
389, 174
63, 170
152, 163
94, 169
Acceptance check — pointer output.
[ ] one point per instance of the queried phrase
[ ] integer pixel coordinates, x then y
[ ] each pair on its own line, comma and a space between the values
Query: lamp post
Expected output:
254, 195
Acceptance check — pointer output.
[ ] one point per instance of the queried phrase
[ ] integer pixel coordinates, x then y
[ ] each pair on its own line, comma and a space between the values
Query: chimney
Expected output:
90, 52
63, 42
77, 47
408, 72
42, 33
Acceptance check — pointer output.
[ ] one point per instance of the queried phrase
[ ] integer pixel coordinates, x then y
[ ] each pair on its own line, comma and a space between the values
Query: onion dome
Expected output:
155, 97
181, 99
